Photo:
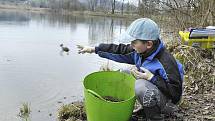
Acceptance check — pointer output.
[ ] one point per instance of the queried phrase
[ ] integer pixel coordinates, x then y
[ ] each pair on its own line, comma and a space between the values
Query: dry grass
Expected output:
24, 111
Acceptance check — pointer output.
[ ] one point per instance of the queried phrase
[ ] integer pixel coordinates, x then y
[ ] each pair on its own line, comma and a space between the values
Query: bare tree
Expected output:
92, 4
122, 6
113, 3
186, 12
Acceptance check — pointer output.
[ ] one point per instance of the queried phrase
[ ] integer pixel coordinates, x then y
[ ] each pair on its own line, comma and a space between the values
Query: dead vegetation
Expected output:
198, 101
24, 112
199, 68
72, 112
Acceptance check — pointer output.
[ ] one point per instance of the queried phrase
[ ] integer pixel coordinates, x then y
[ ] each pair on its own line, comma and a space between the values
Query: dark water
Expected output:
33, 70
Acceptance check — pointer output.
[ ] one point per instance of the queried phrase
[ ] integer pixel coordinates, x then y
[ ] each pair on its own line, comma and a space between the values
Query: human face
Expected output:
141, 46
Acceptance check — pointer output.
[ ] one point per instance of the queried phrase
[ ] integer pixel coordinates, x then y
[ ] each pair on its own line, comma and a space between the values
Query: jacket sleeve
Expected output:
120, 53
127, 58
115, 49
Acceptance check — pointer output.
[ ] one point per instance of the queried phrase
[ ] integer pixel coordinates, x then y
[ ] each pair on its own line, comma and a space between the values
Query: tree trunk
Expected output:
122, 7
113, 6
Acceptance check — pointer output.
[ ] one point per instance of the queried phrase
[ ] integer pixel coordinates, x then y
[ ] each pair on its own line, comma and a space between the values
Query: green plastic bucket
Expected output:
109, 83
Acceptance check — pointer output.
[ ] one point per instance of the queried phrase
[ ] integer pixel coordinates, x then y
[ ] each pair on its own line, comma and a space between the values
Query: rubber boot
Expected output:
153, 113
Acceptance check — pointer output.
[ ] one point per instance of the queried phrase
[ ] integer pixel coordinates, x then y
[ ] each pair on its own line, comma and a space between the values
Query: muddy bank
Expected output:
194, 108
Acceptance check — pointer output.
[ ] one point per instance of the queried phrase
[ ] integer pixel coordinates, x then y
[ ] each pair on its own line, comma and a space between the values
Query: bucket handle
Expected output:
95, 94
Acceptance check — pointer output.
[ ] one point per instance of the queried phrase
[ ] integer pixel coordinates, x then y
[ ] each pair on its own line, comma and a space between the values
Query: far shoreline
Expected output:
26, 8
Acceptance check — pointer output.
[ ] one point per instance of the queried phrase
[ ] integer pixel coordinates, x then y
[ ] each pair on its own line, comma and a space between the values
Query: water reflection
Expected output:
14, 18
105, 30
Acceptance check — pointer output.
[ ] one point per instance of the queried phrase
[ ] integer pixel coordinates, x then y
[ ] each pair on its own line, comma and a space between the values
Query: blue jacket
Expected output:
167, 70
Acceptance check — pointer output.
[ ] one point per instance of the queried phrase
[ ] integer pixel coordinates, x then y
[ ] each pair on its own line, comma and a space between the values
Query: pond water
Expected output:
32, 67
